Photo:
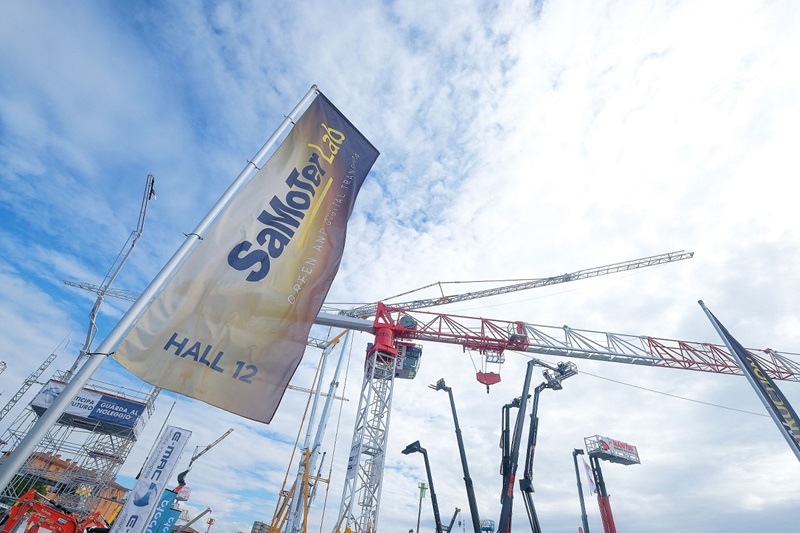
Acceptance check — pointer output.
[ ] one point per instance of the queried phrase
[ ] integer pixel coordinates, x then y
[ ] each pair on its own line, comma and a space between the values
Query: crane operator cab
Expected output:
517, 336
407, 360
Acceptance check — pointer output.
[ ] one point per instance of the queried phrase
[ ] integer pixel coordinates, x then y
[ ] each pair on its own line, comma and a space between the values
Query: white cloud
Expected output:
513, 146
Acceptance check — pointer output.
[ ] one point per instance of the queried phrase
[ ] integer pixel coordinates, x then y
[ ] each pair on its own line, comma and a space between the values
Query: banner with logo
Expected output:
149, 488
160, 512
771, 396
111, 414
232, 324
170, 517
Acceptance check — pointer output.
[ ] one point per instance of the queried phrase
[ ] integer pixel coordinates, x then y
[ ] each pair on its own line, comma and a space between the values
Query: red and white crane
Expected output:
394, 353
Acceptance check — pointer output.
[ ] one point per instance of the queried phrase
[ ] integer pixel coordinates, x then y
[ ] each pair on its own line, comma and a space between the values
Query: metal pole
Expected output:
20, 454
584, 518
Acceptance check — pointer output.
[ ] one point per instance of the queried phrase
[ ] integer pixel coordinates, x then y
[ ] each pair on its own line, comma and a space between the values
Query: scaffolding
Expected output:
76, 464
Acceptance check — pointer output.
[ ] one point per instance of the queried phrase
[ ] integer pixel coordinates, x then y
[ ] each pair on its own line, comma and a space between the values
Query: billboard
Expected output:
612, 450
110, 414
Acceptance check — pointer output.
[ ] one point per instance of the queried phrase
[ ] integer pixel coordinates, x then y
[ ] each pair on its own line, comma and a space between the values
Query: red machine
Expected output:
30, 515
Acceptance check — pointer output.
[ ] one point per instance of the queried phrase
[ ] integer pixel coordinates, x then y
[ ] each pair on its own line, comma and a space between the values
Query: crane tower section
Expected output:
387, 359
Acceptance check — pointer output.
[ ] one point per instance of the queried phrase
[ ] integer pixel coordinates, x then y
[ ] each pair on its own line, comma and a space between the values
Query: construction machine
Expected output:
554, 375
416, 447
30, 515
473, 506
449, 527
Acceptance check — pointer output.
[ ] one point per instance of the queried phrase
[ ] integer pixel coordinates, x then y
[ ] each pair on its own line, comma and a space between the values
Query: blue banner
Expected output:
116, 411
774, 400
160, 513
170, 517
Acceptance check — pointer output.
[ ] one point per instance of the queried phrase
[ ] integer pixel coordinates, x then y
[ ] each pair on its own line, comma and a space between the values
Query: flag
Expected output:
231, 325
161, 511
589, 477
768, 392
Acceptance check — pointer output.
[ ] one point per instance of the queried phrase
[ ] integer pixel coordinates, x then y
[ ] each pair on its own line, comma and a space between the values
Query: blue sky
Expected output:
517, 140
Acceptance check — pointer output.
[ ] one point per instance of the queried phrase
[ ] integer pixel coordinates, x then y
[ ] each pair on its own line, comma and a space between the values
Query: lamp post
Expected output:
575, 453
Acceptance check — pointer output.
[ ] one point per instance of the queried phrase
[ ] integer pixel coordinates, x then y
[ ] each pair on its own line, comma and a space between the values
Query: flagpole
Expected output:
757, 387
16, 459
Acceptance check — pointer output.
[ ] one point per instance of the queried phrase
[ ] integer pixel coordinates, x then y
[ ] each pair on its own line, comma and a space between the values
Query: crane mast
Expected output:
30, 382
362, 487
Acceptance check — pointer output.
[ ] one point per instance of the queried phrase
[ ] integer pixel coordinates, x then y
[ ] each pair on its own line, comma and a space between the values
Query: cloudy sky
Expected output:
518, 140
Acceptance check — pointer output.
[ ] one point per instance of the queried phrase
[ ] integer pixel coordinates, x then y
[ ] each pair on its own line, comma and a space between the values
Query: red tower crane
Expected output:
395, 354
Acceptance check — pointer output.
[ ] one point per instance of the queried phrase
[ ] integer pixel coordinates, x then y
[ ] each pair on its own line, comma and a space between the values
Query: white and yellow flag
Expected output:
231, 326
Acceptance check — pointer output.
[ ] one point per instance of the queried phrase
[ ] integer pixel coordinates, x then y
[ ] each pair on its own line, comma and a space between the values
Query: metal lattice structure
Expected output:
79, 458
369, 310
26, 385
362, 489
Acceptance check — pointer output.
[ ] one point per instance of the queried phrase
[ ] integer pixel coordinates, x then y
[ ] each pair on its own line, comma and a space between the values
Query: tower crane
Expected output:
30, 381
368, 310
394, 354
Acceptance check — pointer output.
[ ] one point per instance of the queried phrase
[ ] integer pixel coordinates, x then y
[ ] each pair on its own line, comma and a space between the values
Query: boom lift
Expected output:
554, 375
453, 520
416, 447
473, 506
31, 515
198, 452
612, 450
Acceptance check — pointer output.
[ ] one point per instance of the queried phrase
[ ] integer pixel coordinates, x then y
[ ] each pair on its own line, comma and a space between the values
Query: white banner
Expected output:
152, 480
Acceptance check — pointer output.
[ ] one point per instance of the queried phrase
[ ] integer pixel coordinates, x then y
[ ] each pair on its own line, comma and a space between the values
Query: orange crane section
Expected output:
36, 515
